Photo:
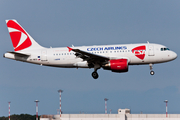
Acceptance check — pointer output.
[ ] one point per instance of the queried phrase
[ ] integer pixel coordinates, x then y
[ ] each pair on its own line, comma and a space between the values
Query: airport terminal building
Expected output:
123, 114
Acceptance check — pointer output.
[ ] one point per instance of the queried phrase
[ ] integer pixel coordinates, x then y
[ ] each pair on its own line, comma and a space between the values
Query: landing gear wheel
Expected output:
95, 75
152, 72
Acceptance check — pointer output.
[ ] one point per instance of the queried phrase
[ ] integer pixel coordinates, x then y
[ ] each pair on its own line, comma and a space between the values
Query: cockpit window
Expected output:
164, 49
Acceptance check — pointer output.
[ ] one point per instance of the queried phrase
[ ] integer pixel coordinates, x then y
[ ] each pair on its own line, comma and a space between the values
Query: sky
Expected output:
61, 23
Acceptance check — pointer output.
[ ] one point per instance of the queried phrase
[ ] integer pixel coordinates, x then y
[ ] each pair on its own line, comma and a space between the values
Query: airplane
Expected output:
116, 58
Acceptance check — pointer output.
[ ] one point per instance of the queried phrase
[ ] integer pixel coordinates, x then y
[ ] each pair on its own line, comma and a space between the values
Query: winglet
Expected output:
69, 49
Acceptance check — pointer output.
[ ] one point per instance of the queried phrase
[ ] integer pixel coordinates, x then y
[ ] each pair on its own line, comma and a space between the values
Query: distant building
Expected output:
123, 114
124, 111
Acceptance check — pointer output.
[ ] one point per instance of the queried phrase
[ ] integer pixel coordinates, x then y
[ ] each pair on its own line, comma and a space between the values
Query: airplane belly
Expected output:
63, 61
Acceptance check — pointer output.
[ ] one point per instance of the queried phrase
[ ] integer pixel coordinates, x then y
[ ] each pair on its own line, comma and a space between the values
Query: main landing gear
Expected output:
151, 72
95, 74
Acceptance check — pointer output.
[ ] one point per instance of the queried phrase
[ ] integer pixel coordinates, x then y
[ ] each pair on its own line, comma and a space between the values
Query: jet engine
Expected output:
117, 65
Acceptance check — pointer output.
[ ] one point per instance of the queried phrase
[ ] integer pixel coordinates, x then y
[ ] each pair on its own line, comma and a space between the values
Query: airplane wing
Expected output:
89, 57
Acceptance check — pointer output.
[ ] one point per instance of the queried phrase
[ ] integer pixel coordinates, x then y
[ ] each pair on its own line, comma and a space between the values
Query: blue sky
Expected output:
90, 22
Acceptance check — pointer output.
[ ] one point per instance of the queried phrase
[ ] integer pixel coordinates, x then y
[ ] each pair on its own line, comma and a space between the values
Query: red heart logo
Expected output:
139, 51
19, 37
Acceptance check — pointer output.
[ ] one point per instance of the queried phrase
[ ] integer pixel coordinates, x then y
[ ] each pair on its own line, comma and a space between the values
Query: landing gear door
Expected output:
151, 50
44, 56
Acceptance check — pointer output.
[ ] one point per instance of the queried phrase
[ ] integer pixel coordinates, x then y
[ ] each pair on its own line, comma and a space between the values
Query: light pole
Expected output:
105, 99
166, 101
36, 109
9, 110
57, 111
60, 91
110, 111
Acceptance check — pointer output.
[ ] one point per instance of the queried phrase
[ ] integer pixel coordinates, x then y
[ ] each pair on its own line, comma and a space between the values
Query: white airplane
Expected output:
116, 58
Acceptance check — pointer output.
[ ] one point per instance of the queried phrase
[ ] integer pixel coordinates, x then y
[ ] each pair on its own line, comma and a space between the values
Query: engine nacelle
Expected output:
118, 65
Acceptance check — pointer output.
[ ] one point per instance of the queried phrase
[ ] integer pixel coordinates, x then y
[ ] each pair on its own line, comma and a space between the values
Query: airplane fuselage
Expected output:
62, 57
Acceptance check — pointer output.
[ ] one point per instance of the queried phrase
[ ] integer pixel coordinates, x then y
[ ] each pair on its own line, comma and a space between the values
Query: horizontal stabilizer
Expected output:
20, 54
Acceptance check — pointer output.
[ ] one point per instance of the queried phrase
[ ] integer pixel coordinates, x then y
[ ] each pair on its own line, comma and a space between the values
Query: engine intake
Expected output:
118, 65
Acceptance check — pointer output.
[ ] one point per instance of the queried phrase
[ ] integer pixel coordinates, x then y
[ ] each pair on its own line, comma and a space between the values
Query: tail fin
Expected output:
21, 40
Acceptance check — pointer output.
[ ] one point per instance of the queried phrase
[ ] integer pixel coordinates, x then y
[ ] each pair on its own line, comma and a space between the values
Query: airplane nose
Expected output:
173, 55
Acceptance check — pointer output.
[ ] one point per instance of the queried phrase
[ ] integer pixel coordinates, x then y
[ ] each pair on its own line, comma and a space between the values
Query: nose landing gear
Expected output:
151, 72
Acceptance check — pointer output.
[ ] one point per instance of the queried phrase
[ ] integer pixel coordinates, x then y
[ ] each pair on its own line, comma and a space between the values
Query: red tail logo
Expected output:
19, 37
139, 51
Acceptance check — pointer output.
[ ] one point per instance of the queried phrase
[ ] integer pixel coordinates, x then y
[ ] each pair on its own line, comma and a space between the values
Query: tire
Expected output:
152, 72
95, 75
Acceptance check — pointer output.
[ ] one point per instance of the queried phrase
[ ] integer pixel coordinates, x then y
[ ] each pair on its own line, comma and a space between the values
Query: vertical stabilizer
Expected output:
21, 40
